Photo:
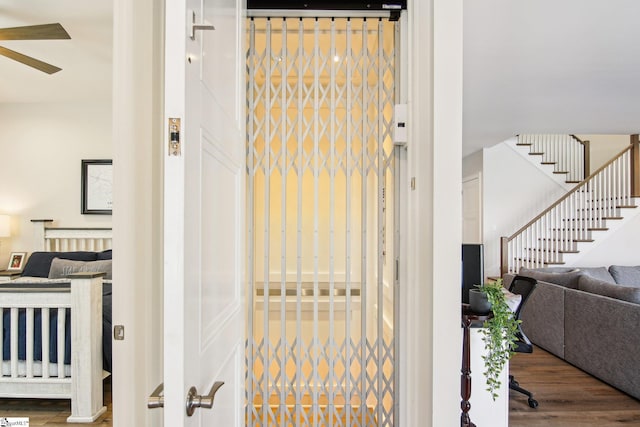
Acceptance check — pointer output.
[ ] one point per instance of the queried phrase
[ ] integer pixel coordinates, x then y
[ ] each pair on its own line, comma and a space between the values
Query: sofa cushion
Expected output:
626, 275
568, 279
550, 269
543, 317
39, 263
600, 339
63, 267
598, 273
611, 290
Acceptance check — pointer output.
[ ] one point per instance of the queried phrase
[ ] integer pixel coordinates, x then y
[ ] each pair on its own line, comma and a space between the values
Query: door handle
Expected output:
195, 27
194, 400
156, 400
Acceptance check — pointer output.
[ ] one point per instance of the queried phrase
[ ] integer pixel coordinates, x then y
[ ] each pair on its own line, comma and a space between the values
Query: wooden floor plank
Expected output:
567, 396
53, 412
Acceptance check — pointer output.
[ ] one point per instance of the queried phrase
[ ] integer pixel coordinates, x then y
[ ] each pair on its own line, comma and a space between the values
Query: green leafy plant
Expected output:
498, 335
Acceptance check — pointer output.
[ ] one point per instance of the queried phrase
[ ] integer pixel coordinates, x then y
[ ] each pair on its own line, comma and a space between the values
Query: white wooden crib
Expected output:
81, 381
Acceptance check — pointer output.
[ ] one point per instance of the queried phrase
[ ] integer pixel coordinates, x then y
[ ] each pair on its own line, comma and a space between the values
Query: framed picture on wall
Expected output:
16, 261
96, 187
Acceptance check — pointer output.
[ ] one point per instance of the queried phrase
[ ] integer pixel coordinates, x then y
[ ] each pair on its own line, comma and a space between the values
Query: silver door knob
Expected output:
194, 400
156, 400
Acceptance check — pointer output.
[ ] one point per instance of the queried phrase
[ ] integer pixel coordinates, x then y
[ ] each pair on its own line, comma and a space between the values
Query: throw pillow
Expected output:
626, 275
568, 279
512, 300
611, 290
600, 273
63, 267
39, 263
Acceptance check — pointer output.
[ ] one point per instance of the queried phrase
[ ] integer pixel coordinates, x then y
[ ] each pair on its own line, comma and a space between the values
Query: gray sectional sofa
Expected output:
589, 317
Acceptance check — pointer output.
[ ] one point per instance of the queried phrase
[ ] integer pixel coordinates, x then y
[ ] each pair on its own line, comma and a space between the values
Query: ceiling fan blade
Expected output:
27, 60
35, 32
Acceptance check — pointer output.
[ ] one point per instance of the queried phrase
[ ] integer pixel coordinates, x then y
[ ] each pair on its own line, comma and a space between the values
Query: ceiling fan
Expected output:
32, 32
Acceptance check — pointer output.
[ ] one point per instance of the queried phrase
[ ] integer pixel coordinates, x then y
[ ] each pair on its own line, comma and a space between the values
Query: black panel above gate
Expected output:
328, 4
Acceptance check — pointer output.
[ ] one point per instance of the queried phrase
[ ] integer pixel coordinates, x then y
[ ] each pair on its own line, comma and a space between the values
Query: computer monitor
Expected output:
472, 268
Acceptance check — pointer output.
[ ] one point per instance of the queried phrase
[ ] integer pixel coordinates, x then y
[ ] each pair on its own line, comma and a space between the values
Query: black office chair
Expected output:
522, 285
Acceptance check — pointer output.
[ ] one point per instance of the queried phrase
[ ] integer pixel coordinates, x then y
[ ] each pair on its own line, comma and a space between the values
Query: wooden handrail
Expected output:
635, 146
576, 188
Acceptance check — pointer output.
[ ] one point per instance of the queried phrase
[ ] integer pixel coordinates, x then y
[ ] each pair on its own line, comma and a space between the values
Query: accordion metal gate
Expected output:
322, 230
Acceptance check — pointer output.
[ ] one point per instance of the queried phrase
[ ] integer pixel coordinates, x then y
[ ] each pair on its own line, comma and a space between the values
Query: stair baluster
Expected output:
574, 217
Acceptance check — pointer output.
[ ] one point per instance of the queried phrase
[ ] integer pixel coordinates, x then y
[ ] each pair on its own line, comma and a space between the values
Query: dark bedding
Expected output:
53, 329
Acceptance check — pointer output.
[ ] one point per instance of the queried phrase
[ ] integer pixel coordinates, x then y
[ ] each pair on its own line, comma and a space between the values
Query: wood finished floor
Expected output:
53, 412
568, 397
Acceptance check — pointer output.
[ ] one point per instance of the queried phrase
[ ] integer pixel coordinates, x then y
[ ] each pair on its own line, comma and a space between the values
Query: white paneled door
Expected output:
204, 256
472, 209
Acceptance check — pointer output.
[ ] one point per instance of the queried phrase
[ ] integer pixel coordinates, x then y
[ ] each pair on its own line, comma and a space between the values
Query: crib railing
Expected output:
81, 380
70, 239
29, 302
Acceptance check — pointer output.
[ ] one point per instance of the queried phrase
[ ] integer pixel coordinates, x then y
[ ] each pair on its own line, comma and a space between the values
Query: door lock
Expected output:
174, 136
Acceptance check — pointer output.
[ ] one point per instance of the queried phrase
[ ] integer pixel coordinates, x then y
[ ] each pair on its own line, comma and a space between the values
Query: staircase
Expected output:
568, 154
576, 219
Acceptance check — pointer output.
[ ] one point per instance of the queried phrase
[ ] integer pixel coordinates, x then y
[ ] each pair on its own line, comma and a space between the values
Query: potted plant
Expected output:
499, 334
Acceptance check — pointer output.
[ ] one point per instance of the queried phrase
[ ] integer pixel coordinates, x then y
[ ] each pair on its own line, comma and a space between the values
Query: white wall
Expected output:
620, 247
602, 148
43, 145
514, 192
472, 164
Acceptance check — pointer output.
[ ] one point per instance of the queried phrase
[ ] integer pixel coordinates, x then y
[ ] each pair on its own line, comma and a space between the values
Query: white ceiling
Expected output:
569, 66
85, 59
550, 66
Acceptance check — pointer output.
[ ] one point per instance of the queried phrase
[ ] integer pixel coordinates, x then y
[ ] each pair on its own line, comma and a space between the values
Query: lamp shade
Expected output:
5, 226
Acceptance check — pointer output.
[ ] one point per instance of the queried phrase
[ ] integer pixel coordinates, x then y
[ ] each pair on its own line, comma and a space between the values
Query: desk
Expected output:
480, 406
